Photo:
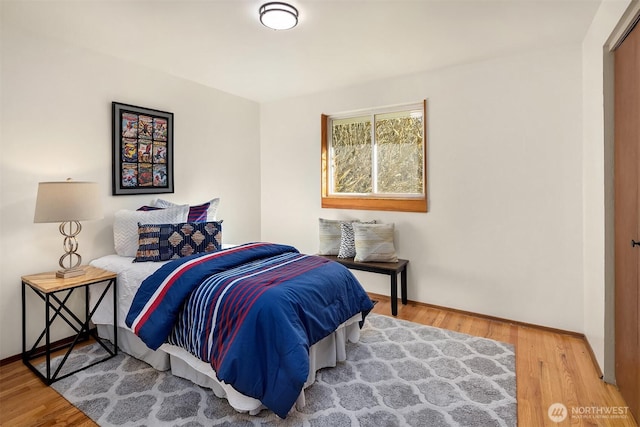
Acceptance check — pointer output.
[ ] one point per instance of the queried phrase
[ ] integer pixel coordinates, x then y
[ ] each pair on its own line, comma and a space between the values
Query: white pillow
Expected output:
125, 225
212, 211
374, 242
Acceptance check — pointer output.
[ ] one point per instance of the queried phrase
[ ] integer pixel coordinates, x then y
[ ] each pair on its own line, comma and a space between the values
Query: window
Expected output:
375, 159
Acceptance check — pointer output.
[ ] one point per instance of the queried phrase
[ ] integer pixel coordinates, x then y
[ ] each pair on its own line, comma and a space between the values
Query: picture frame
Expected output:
142, 150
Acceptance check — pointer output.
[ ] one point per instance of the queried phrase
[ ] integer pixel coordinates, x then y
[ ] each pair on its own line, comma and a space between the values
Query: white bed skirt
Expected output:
325, 353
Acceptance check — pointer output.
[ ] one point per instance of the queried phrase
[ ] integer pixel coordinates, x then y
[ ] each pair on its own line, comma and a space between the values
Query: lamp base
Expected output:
70, 272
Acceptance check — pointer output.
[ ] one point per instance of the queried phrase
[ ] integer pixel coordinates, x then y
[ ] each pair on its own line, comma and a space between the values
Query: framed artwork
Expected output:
142, 150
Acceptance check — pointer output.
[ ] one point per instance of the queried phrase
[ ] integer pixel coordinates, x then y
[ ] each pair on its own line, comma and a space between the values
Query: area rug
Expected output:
399, 374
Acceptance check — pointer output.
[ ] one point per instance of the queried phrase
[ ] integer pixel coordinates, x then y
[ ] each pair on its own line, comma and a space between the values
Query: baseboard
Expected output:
59, 343
484, 316
593, 358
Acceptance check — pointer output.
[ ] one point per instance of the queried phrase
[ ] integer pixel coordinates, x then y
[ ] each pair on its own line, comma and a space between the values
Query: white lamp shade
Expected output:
68, 201
278, 16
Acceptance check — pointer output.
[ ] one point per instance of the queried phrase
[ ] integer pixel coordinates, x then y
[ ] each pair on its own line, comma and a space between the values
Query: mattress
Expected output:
326, 353
130, 275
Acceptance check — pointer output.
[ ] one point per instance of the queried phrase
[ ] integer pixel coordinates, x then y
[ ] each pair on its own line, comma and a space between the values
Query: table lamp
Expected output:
68, 202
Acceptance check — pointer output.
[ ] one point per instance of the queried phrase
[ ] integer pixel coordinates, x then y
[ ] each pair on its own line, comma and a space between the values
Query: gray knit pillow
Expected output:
374, 242
330, 234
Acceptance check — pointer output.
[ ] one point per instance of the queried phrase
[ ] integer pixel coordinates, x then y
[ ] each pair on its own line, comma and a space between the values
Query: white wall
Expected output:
504, 233
56, 123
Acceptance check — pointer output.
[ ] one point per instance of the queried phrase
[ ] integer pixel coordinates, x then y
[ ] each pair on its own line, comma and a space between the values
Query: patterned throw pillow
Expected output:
347, 239
163, 242
125, 226
212, 209
197, 213
374, 242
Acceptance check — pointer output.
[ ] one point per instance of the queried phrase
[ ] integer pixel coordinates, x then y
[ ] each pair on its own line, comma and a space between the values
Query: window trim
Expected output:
373, 202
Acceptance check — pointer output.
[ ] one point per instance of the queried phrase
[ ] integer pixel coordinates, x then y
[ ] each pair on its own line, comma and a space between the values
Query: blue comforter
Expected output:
251, 311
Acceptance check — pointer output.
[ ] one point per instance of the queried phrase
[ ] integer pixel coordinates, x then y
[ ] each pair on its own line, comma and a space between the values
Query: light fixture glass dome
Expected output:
278, 16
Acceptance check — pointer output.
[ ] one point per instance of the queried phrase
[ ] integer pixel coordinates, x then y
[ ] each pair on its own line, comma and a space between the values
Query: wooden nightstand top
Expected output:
48, 282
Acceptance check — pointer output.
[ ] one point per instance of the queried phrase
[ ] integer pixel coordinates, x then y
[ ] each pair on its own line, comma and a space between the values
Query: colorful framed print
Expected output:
142, 150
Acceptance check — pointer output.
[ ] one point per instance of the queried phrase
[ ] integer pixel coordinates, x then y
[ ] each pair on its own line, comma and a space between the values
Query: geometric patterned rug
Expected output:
399, 374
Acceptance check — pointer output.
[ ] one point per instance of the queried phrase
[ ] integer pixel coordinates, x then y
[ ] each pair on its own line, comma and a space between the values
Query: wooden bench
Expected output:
390, 268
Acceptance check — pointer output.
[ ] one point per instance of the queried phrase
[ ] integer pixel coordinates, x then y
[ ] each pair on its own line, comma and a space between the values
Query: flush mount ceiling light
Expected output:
278, 16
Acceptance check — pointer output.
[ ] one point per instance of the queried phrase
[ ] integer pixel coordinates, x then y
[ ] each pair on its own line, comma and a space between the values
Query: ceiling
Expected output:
337, 43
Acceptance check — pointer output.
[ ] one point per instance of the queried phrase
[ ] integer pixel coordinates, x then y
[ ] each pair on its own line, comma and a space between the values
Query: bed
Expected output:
256, 358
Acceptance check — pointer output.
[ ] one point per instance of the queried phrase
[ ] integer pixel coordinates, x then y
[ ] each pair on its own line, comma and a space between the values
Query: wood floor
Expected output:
551, 368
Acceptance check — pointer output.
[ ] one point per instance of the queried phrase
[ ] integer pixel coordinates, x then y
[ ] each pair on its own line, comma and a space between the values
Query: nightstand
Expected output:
55, 292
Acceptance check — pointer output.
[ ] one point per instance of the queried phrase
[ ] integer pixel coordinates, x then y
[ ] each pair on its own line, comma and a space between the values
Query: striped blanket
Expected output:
251, 311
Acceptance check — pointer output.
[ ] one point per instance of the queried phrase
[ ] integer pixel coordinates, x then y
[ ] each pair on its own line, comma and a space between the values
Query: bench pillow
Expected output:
330, 236
374, 242
347, 239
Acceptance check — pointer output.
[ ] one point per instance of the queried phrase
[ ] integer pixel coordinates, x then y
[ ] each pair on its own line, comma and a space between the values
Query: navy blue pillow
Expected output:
163, 242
